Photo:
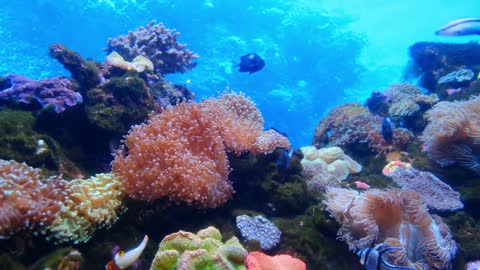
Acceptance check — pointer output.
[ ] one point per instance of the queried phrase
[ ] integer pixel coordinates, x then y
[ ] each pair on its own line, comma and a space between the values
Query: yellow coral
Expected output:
88, 205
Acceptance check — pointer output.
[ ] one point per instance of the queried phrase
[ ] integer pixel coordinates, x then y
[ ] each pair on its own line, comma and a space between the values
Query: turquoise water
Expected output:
318, 53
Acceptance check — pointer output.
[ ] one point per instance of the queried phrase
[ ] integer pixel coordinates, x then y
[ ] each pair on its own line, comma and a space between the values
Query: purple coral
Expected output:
260, 229
157, 43
434, 192
52, 91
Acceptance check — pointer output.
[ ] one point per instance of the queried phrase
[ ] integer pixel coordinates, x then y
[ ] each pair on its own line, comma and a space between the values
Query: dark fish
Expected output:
460, 27
283, 161
372, 258
387, 129
251, 63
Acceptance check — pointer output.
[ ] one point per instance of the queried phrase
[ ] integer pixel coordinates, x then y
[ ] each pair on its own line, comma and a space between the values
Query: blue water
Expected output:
318, 53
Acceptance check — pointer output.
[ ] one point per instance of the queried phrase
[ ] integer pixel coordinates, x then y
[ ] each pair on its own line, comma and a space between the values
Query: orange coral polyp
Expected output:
181, 153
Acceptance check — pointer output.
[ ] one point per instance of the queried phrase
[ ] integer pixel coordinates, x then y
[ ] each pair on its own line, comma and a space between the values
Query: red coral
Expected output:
181, 153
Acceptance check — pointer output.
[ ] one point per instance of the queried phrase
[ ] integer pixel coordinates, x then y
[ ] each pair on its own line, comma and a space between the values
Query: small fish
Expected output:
460, 27
362, 185
123, 259
251, 63
283, 161
387, 129
372, 258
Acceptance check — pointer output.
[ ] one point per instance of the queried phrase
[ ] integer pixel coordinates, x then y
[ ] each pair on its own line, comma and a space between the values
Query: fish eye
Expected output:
121, 252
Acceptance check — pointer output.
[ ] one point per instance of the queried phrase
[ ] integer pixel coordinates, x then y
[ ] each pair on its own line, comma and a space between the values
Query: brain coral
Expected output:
204, 250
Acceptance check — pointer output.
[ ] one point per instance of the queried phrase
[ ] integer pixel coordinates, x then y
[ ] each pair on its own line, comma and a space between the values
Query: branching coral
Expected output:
453, 133
181, 153
353, 123
157, 43
396, 217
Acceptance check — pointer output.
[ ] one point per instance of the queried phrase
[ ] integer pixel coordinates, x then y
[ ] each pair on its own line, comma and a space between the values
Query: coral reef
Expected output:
326, 166
87, 205
453, 132
406, 99
181, 153
397, 218
259, 261
118, 104
259, 229
54, 91
435, 193
352, 123
84, 72
203, 250
157, 43
431, 61
22, 143
26, 199
62, 210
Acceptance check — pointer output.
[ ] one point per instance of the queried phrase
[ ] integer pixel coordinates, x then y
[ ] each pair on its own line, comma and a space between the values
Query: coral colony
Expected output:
210, 166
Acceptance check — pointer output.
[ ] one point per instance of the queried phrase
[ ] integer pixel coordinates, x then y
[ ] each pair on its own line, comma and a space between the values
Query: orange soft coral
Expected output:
26, 200
259, 261
394, 217
181, 153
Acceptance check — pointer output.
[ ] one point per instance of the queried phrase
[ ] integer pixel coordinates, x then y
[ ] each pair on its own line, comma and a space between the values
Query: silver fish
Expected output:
460, 27
372, 258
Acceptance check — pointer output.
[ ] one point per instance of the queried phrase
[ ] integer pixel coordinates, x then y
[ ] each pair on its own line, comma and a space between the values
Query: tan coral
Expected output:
374, 216
321, 166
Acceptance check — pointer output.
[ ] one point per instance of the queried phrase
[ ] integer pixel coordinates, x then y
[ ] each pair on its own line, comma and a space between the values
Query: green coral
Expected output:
19, 141
202, 251
118, 104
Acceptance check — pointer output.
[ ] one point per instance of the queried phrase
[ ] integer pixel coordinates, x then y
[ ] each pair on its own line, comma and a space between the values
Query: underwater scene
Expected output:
239, 135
